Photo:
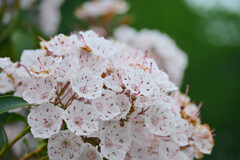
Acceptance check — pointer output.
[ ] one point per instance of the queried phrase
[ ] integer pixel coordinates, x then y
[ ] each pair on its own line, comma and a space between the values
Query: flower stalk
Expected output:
19, 136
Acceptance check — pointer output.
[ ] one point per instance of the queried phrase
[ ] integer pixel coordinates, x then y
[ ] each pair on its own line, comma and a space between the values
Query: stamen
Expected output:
84, 40
145, 56
120, 80
132, 118
198, 108
139, 85
41, 39
37, 92
150, 68
174, 154
64, 88
61, 70
136, 94
185, 96
203, 136
86, 47
36, 119
41, 63
25, 69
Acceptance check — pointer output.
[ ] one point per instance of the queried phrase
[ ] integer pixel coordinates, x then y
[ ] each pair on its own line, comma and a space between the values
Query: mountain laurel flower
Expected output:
90, 153
39, 90
87, 85
81, 118
96, 99
106, 105
65, 145
115, 141
45, 120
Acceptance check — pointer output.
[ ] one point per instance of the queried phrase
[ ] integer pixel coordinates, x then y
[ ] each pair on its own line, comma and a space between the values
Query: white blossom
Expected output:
96, 98
115, 141
81, 118
106, 105
6, 84
90, 153
39, 90
45, 120
65, 145
87, 85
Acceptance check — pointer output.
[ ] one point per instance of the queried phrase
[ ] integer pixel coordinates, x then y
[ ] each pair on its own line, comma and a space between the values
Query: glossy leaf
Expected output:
16, 117
8, 103
3, 138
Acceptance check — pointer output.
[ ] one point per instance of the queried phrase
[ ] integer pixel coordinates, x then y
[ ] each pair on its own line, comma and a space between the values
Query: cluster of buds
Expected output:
94, 98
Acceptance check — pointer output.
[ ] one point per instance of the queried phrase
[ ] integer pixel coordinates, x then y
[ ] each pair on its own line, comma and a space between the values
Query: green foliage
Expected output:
16, 117
8, 103
3, 138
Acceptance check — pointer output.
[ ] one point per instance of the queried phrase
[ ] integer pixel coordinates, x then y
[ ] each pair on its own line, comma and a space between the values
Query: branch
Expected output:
19, 136
44, 158
34, 153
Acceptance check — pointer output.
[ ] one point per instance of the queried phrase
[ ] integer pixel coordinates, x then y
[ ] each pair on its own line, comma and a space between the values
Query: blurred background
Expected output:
207, 30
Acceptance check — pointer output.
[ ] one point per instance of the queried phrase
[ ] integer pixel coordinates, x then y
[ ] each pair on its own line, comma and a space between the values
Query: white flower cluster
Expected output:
98, 98
162, 48
97, 8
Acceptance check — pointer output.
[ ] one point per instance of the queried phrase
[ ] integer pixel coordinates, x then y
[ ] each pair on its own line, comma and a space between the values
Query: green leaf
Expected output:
3, 138
16, 117
8, 103
25, 141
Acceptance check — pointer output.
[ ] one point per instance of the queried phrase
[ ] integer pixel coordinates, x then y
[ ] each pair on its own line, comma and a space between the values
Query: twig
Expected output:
35, 153
44, 158
19, 136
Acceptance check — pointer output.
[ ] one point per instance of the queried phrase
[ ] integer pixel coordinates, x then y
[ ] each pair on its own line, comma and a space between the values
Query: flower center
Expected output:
48, 123
154, 120
83, 89
65, 143
91, 155
78, 121
45, 95
99, 106
108, 143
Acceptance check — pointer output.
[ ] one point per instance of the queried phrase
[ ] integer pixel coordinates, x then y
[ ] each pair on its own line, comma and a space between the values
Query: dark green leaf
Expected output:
8, 103
16, 117
25, 141
3, 138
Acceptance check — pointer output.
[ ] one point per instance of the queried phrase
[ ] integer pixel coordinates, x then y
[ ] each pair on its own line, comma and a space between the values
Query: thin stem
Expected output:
19, 136
73, 96
44, 158
25, 69
64, 88
58, 97
35, 153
